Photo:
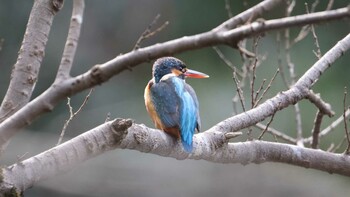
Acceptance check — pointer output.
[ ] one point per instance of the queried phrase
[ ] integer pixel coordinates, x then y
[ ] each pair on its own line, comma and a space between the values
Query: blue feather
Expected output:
188, 113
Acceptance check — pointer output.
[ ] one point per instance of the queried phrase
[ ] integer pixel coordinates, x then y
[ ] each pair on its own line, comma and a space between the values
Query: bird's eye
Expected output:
183, 69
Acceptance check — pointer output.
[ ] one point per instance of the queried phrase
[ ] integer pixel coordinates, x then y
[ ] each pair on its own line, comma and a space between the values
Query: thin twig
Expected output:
330, 4
331, 127
336, 148
239, 90
1, 43
108, 117
223, 58
277, 133
267, 88
268, 124
279, 59
228, 8
149, 33
318, 52
316, 129
72, 115
259, 90
345, 123
255, 61
313, 6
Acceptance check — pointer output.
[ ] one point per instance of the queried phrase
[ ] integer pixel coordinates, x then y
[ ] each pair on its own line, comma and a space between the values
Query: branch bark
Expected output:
72, 41
25, 72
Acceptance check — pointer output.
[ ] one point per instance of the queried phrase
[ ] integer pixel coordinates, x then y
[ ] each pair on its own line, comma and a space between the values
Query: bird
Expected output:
171, 103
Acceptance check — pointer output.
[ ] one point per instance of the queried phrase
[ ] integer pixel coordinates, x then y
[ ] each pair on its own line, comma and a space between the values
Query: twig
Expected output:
72, 115
330, 4
279, 59
313, 5
318, 52
316, 129
231, 135
1, 43
239, 90
108, 117
223, 58
268, 124
228, 8
255, 61
324, 107
259, 90
244, 51
149, 33
72, 41
298, 121
293, 76
331, 127
336, 148
267, 88
345, 123
277, 133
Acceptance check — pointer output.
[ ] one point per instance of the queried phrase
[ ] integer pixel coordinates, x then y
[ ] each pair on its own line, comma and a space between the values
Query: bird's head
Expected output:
170, 65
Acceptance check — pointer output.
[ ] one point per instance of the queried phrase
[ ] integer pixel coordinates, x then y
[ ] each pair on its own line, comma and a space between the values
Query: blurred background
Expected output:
113, 27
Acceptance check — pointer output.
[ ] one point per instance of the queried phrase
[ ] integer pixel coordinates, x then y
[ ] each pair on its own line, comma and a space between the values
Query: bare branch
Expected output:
279, 60
222, 56
239, 90
297, 92
255, 61
331, 127
330, 4
267, 126
228, 8
324, 107
277, 133
345, 123
25, 71
249, 14
318, 52
124, 134
149, 33
267, 88
72, 41
316, 130
72, 115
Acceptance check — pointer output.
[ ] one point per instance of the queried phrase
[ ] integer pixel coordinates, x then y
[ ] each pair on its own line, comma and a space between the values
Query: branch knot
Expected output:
120, 128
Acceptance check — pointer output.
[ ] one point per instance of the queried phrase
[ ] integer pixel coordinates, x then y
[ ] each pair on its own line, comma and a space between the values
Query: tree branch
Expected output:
72, 41
25, 72
121, 133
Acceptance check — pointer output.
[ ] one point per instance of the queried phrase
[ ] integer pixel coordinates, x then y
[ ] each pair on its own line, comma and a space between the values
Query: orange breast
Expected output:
173, 131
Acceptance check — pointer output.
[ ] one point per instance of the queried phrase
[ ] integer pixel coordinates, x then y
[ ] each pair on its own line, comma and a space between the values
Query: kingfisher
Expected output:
171, 103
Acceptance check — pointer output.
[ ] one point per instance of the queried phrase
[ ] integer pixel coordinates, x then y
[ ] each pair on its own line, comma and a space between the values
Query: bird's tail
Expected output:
188, 146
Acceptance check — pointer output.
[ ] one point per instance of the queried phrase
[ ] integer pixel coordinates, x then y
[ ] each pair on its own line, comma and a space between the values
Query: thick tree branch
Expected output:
25, 72
101, 73
122, 133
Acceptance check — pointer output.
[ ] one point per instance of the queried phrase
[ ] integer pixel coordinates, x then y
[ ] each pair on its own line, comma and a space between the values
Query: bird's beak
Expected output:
195, 74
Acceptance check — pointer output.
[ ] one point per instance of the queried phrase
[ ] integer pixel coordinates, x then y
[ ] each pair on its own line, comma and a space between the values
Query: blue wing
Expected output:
166, 103
189, 113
